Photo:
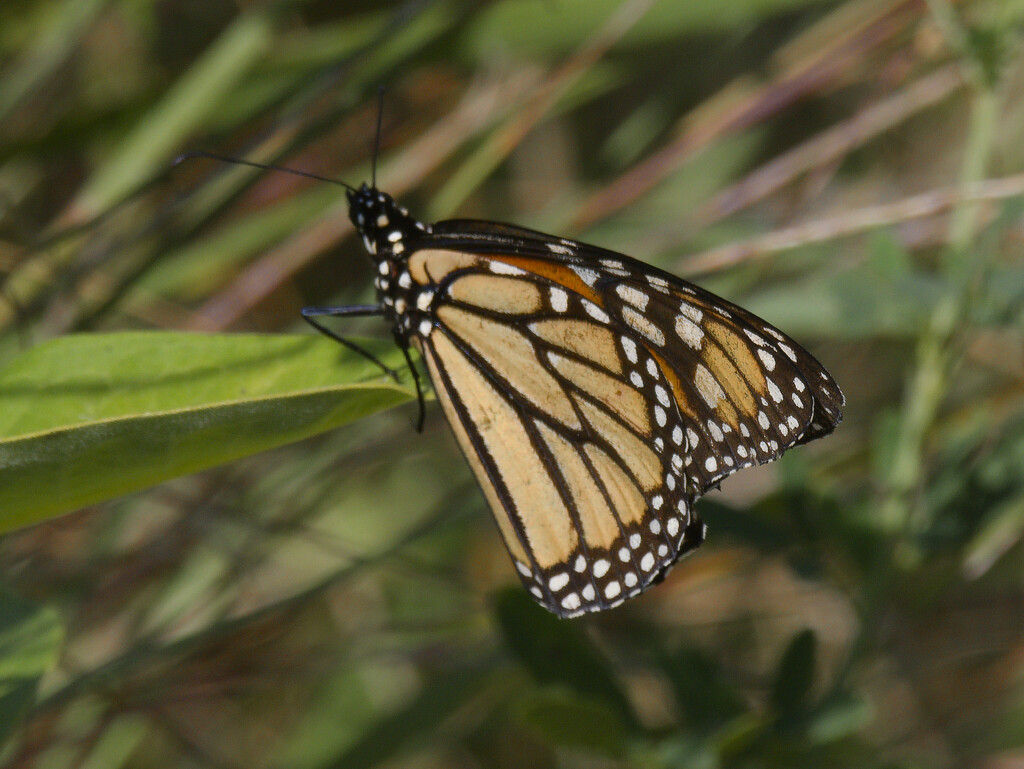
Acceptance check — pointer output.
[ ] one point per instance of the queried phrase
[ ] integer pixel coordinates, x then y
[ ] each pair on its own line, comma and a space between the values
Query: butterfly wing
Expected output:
595, 397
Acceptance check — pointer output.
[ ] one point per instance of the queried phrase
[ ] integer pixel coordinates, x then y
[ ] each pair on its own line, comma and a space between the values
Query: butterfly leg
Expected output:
419, 387
355, 311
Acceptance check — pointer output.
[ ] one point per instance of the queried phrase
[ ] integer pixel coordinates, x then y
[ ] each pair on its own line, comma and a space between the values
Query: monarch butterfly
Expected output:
595, 397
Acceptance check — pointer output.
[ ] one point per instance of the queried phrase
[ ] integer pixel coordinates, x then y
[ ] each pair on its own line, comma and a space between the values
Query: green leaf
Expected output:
795, 675
30, 638
556, 651
90, 417
570, 721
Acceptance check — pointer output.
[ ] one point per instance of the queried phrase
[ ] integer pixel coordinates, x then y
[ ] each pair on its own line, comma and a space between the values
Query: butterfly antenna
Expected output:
264, 166
376, 141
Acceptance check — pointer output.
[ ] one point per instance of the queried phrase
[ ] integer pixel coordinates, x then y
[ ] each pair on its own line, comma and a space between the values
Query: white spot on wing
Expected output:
634, 296
629, 347
596, 312
559, 299
715, 431
659, 391
501, 268
708, 386
689, 332
587, 275
424, 299
558, 581
755, 338
643, 326
767, 359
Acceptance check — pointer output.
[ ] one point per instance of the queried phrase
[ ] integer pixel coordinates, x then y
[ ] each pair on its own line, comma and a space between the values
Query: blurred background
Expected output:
851, 171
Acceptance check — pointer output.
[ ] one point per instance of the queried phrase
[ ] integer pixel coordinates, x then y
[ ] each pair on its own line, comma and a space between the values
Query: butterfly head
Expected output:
383, 224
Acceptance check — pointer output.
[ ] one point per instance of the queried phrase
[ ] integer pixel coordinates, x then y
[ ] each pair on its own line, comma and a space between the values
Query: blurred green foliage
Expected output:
851, 170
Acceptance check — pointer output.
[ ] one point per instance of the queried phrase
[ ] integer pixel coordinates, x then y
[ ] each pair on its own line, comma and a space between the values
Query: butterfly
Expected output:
594, 396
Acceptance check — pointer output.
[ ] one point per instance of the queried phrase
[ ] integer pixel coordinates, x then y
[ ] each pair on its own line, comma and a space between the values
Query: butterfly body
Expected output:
594, 396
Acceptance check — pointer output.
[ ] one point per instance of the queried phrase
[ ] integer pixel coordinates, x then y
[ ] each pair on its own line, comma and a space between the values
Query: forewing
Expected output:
579, 460
596, 397
744, 391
